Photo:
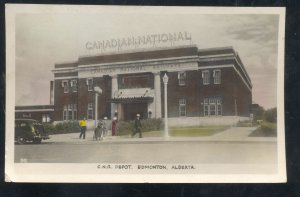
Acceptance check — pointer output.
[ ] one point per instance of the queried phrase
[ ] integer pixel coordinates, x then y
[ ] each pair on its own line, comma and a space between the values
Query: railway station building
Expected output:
205, 86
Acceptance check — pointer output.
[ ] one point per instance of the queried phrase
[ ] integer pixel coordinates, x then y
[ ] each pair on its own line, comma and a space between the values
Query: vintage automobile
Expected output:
29, 130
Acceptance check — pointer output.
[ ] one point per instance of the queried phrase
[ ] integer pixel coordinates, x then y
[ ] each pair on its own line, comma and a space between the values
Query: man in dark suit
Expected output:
137, 126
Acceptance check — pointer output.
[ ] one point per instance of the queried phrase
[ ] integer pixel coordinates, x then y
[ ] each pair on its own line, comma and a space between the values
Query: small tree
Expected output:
270, 115
259, 113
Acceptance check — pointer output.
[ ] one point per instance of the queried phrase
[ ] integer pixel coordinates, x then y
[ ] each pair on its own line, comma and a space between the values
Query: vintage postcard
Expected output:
144, 94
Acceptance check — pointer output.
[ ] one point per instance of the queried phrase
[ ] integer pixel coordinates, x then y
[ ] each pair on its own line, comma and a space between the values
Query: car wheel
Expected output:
21, 140
37, 141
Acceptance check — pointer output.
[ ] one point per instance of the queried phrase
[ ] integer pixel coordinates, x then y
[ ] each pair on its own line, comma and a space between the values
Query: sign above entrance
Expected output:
133, 42
135, 68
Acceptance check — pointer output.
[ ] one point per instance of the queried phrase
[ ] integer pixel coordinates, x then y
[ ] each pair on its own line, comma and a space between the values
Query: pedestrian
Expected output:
114, 126
98, 130
82, 124
137, 126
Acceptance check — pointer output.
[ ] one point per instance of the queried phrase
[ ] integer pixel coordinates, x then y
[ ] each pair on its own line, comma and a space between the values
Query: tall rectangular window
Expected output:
181, 78
90, 111
212, 107
70, 112
219, 107
206, 107
73, 84
74, 111
182, 107
89, 83
46, 118
65, 112
65, 85
205, 77
217, 76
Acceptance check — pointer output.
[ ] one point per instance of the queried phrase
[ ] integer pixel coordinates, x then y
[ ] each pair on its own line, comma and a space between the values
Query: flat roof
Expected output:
142, 54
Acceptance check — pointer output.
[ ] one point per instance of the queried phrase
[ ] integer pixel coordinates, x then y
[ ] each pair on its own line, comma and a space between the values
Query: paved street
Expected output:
164, 152
228, 148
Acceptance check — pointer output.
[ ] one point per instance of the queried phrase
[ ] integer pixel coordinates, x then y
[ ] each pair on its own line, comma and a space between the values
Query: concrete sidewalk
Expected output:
233, 134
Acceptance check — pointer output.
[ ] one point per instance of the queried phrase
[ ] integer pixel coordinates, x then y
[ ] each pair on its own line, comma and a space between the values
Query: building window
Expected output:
46, 118
219, 107
70, 112
70, 106
135, 81
206, 107
65, 112
217, 76
182, 107
26, 115
89, 83
205, 77
212, 107
90, 111
73, 84
65, 85
181, 78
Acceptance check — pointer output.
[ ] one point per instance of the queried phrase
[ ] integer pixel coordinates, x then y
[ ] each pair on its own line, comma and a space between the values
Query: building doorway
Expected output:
131, 109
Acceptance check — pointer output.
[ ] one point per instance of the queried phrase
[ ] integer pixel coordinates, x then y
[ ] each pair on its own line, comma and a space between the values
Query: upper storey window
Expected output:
90, 83
217, 76
73, 84
135, 81
205, 77
181, 78
65, 85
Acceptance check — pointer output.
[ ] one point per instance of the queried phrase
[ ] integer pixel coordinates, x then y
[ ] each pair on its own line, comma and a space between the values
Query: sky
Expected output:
43, 39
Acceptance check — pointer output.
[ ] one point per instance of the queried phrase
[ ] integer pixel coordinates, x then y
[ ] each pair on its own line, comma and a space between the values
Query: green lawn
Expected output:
188, 131
266, 129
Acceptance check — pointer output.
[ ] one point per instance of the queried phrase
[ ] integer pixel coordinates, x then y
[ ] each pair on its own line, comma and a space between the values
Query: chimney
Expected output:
51, 93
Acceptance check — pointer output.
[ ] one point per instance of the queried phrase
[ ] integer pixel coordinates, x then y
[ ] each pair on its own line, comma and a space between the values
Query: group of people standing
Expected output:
101, 129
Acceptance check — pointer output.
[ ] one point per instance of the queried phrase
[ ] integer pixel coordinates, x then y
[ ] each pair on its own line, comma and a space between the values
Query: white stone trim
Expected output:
139, 68
244, 71
157, 92
213, 56
215, 48
66, 77
205, 121
154, 61
216, 66
64, 70
33, 110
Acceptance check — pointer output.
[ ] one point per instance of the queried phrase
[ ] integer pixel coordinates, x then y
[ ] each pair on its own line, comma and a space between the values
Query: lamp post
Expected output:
98, 91
165, 80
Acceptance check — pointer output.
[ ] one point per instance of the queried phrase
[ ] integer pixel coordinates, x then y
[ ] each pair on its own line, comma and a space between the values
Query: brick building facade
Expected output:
206, 86
41, 113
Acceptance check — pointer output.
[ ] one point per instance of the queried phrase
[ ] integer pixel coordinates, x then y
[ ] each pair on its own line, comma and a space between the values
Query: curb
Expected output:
118, 140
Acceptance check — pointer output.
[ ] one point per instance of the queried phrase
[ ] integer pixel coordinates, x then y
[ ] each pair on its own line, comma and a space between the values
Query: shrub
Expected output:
271, 115
152, 125
127, 127
49, 128
266, 129
245, 123
62, 127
